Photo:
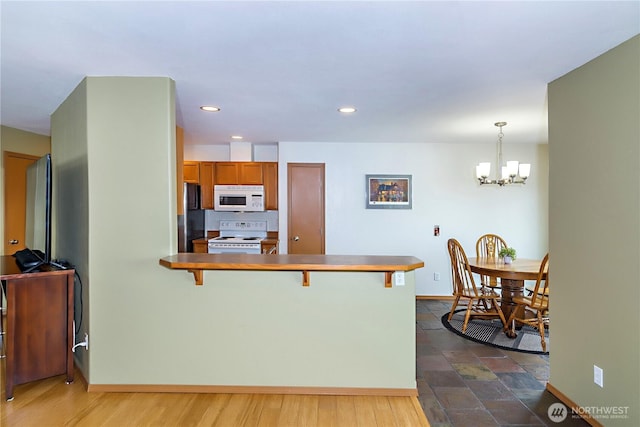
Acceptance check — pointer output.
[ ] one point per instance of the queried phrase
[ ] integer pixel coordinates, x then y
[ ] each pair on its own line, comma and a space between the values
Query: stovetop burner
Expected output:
233, 238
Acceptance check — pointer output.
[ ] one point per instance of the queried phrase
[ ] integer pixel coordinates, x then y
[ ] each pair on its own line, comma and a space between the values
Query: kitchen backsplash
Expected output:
212, 218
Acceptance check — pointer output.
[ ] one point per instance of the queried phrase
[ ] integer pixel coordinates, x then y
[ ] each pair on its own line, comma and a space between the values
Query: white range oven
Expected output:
238, 237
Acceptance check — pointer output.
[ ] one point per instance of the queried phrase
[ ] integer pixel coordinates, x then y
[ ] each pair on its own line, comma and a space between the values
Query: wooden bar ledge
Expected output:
196, 263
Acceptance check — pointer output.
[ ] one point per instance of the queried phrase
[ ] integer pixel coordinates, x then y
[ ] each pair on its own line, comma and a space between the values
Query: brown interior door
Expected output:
15, 199
306, 208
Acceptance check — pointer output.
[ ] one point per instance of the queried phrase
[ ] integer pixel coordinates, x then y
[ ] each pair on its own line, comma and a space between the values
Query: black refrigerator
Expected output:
191, 224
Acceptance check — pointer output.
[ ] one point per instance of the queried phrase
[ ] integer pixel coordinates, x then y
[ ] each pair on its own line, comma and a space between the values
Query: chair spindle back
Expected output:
488, 246
540, 296
463, 283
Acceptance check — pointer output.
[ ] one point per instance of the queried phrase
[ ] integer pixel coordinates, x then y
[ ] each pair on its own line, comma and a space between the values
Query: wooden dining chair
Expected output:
482, 301
537, 302
488, 246
529, 287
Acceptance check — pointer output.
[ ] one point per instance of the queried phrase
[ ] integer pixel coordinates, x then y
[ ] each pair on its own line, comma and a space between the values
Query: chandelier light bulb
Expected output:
483, 170
505, 173
512, 168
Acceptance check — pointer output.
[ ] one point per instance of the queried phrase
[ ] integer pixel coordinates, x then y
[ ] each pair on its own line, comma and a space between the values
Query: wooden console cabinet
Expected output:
39, 324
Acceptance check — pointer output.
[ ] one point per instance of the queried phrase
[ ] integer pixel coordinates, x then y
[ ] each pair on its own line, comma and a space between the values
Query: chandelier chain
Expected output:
500, 135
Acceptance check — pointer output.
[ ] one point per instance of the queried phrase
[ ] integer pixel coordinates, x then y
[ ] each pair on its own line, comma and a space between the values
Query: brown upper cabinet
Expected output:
238, 173
191, 172
208, 174
206, 184
270, 176
179, 168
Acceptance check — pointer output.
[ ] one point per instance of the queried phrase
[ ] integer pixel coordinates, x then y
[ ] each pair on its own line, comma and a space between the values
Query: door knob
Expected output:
13, 242
296, 238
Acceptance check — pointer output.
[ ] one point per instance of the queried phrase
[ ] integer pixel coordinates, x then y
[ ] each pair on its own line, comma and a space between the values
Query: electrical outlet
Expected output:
598, 376
84, 343
399, 278
436, 276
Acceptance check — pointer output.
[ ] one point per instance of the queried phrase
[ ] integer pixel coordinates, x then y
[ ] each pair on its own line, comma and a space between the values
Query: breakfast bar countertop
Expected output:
196, 263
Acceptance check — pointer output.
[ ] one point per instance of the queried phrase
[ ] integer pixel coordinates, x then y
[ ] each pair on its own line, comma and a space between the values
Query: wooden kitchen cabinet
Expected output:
191, 172
270, 178
269, 246
238, 173
206, 174
180, 168
200, 246
251, 174
226, 173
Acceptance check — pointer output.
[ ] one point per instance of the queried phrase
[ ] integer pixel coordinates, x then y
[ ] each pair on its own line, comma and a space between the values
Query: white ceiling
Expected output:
420, 71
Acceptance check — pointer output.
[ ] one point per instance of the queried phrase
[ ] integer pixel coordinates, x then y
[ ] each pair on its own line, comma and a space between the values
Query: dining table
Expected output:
512, 277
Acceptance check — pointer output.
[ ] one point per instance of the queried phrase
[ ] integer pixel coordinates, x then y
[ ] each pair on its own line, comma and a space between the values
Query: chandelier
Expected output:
513, 173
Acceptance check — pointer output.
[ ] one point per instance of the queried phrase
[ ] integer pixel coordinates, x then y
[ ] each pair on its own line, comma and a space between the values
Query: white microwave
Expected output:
239, 198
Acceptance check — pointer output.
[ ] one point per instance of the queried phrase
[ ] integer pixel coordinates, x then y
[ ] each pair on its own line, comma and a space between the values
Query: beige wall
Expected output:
113, 141
594, 231
18, 141
71, 198
114, 144
21, 141
445, 192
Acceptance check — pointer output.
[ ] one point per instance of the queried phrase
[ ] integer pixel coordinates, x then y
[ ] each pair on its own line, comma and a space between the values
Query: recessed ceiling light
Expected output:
236, 137
210, 108
347, 109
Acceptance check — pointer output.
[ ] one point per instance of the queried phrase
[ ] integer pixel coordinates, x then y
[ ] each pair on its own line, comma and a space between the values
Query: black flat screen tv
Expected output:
38, 213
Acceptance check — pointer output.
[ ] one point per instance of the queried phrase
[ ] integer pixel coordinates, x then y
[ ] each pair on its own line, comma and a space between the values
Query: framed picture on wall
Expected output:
388, 191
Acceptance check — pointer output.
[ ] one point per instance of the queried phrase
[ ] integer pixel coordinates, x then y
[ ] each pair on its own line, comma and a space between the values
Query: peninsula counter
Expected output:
254, 328
197, 263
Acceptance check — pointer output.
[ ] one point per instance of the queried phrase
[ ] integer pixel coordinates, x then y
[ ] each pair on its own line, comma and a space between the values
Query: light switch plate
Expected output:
598, 376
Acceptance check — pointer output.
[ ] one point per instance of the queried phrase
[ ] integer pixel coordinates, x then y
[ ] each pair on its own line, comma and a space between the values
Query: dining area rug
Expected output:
489, 332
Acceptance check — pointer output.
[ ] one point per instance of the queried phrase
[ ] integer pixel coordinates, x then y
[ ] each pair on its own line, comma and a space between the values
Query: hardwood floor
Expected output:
51, 402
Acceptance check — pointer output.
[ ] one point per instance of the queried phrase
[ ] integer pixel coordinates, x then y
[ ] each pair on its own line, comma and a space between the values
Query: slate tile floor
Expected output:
463, 383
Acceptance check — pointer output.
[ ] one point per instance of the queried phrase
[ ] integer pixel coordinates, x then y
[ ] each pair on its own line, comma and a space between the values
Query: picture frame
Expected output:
389, 192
